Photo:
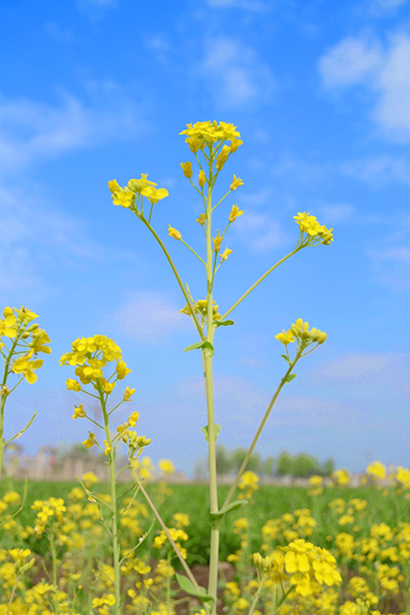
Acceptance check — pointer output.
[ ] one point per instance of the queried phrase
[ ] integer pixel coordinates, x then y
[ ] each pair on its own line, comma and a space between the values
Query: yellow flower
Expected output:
133, 419
309, 224
236, 182
166, 466
90, 440
79, 412
73, 385
286, 337
235, 143
122, 370
225, 254
235, 213
211, 132
202, 178
202, 219
26, 367
376, 469
222, 157
217, 242
187, 169
107, 447
154, 194
128, 393
172, 232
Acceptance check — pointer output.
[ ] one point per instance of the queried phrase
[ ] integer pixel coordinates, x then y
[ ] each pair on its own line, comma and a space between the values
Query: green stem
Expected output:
193, 251
114, 520
259, 431
207, 364
169, 585
3, 397
256, 597
54, 563
198, 326
164, 527
282, 260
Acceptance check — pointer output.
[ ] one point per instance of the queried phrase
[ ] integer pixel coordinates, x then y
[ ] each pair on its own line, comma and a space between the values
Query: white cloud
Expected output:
392, 111
392, 265
259, 233
350, 62
366, 369
384, 71
332, 214
316, 412
380, 7
31, 131
378, 170
34, 235
248, 5
236, 73
150, 316
58, 33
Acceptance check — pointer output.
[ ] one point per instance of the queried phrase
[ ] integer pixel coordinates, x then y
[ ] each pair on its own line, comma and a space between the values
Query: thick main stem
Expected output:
114, 519
207, 363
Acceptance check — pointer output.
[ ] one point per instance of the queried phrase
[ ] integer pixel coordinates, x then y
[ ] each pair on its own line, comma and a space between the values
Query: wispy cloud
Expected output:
365, 369
95, 9
36, 234
381, 7
256, 6
150, 316
378, 170
55, 31
32, 131
384, 70
351, 62
259, 233
237, 75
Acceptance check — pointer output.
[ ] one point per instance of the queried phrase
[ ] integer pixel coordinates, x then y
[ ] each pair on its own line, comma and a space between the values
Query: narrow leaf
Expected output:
187, 586
286, 358
217, 430
205, 345
289, 378
223, 323
193, 347
232, 506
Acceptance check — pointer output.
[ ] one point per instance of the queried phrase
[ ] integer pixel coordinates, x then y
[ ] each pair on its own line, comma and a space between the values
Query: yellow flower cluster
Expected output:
201, 308
308, 224
300, 331
90, 355
248, 484
16, 324
131, 195
202, 134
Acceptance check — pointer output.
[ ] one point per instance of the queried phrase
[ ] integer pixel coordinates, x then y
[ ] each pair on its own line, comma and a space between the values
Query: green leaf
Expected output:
232, 506
217, 430
193, 347
205, 345
286, 358
289, 378
187, 586
223, 323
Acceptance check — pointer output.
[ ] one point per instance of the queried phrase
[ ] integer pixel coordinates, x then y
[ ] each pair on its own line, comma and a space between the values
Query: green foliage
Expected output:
302, 466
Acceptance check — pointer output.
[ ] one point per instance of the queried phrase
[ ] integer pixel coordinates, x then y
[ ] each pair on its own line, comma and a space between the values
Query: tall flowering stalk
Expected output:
212, 145
20, 342
90, 356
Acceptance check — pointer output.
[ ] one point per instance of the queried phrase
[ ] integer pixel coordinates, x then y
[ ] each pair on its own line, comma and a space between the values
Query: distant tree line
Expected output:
302, 465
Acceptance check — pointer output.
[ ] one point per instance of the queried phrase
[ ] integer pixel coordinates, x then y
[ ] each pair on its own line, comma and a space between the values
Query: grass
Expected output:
269, 502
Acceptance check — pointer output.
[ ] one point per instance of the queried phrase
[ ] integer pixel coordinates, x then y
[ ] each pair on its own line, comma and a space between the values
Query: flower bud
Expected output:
187, 169
202, 178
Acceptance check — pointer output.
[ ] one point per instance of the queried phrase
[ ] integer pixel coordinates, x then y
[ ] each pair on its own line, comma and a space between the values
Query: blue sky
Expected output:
93, 90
